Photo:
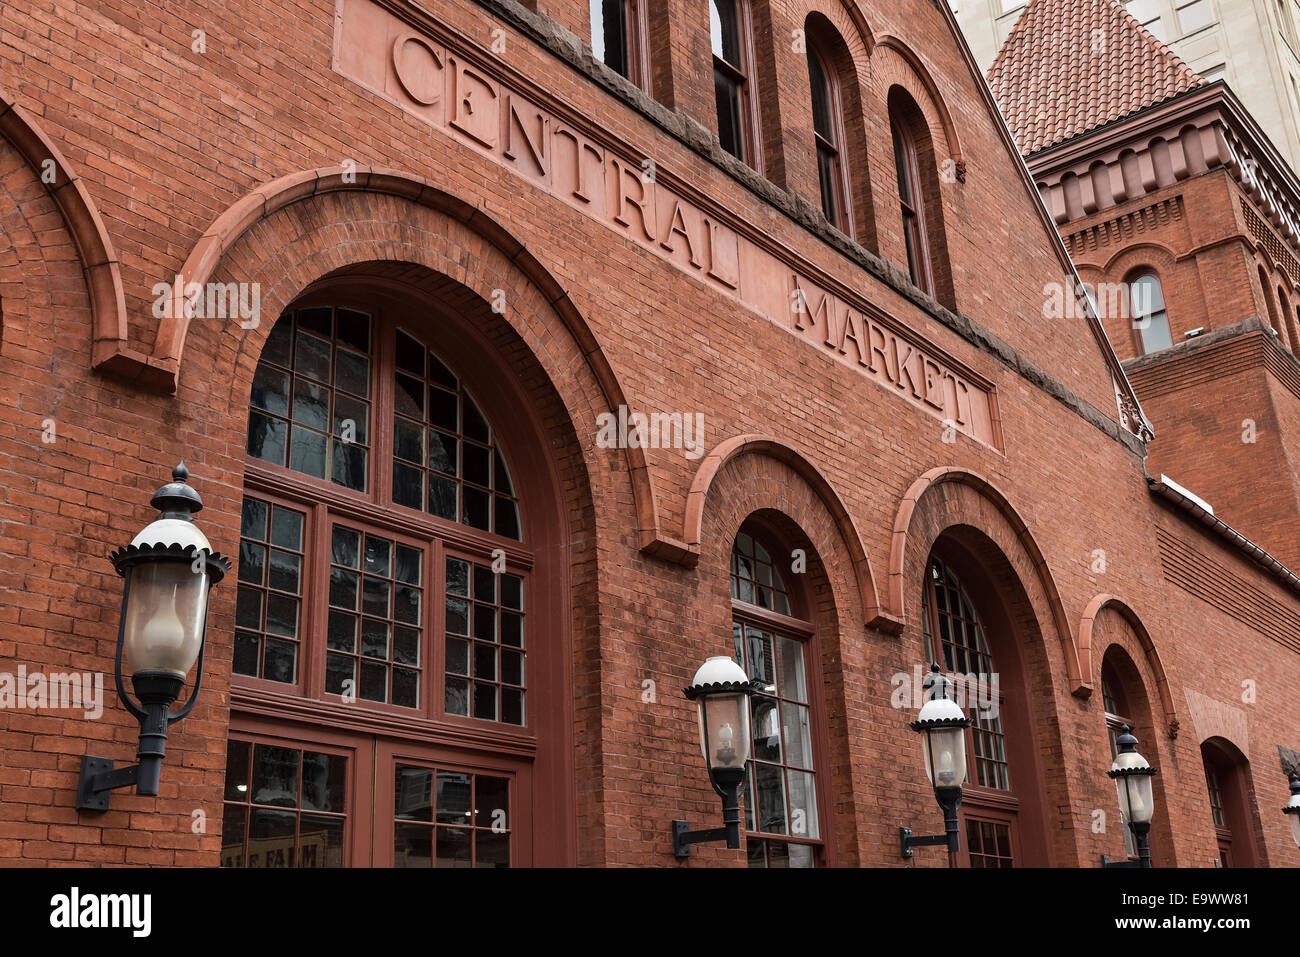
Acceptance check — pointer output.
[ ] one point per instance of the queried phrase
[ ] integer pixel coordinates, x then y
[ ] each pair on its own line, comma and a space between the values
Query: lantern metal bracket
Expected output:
156, 691
949, 799
730, 783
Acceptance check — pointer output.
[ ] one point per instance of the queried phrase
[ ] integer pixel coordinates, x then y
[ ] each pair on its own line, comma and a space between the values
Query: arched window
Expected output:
1285, 327
1232, 803
618, 37
1269, 304
956, 638
1147, 311
1118, 716
385, 588
732, 38
828, 131
912, 201
773, 636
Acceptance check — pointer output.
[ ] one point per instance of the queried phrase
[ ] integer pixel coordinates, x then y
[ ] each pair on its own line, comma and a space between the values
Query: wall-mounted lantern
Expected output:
168, 570
721, 691
943, 747
1132, 775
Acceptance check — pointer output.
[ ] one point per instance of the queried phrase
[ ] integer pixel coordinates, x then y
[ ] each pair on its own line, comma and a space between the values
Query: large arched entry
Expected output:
401, 690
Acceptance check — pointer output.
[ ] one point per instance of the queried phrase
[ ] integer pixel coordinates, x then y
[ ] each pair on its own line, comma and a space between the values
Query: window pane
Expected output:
821, 98
724, 31
609, 34
300, 396
441, 444
267, 598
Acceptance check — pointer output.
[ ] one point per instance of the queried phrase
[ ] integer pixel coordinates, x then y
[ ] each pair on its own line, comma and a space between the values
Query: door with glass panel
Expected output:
327, 800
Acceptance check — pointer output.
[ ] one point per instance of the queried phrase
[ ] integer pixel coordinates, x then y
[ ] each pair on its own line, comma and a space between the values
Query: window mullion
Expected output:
381, 411
316, 612
436, 631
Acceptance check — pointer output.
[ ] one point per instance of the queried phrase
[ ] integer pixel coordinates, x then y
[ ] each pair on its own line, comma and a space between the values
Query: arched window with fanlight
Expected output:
773, 634
955, 635
385, 585
1146, 300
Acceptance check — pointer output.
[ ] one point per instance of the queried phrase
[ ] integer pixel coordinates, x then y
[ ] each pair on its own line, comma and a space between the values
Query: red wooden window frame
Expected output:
798, 627
327, 504
738, 77
530, 751
911, 200
1162, 313
997, 803
357, 791
830, 143
635, 39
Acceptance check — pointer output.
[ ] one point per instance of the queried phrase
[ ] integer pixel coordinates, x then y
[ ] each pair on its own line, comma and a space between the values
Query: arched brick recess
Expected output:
464, 237
696, 499
854, 673
1108, 620
894, 63
961, 505
986, 501
93, 254
849, 49
1111, 631
377, 237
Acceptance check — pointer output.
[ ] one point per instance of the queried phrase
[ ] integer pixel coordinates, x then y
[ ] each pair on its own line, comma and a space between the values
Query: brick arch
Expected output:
379, 228
848, 42
1120, 637
763, 445
894, 63
1092, 651
987, 509
1156, 255
976, 530
777, 492
98, 259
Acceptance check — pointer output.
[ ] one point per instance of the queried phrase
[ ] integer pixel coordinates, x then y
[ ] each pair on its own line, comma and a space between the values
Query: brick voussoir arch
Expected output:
771, 447
913, 76
99, 260
271, 197
1086, 623
1080, 680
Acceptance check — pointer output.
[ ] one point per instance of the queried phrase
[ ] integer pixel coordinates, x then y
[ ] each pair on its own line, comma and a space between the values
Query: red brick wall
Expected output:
166, 139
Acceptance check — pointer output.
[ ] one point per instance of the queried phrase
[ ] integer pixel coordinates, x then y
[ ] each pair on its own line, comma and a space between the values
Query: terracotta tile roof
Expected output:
1070, 66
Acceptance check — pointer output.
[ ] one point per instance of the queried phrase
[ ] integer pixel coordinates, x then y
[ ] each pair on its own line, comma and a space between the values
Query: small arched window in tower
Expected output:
1286, 329
772, 636
1147, 311
912, 201
729, 29
828, 131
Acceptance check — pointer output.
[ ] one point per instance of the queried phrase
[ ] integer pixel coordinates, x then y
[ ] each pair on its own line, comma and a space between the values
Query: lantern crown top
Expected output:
939, 710
1127, 759
935, 684
719, 675
177, 499
1126, 742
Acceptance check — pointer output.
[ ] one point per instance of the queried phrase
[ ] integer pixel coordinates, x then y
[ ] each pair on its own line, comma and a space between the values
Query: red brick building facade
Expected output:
400, 283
